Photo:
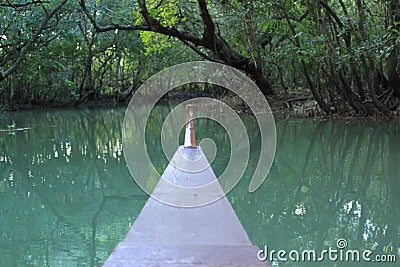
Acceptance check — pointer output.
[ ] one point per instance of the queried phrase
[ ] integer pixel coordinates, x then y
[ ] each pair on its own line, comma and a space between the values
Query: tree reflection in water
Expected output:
70, 199
67, 198
330, 180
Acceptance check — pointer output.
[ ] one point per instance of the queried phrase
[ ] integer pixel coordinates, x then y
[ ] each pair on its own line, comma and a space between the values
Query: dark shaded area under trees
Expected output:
344, 54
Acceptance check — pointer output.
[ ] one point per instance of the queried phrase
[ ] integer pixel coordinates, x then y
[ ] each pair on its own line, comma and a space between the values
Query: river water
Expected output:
67, 197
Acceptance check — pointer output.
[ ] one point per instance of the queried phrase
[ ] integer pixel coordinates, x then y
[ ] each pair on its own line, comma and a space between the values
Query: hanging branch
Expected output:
21, 6
210, 40
32, 40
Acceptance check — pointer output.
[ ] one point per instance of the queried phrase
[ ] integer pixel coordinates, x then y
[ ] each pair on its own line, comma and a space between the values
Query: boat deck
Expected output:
167, 235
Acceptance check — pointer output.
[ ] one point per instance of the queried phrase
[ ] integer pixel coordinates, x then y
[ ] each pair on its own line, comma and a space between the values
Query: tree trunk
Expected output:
392, 61
255, 69
259, 78
86, 88
393, 75
210, 40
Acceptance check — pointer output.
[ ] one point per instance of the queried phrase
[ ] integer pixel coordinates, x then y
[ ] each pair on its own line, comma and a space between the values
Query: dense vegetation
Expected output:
344, 53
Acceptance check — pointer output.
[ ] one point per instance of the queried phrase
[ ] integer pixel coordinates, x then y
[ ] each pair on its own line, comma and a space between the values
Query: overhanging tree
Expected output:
209, 44
10, 64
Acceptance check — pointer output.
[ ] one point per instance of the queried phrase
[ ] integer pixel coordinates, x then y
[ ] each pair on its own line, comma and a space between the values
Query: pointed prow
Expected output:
190, 138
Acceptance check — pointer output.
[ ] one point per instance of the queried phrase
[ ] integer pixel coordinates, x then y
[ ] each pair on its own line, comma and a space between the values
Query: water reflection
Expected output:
67, 198
330, 180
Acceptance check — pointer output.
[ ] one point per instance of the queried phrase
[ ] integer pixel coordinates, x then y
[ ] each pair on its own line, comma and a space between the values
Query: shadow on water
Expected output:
67, 198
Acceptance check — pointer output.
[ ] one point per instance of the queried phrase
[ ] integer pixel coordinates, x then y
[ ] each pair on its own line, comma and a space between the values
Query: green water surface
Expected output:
67, 197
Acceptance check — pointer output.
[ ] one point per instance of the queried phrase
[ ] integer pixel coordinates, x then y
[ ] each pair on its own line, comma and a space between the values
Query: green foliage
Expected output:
167, 14
155, 42
336, 47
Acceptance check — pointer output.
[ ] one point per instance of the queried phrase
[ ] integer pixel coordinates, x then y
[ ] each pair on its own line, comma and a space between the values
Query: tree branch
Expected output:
111, 27
200, 53
332, 13
150, 25
210, 40
18, 6
159, 4
25, 49
209, 28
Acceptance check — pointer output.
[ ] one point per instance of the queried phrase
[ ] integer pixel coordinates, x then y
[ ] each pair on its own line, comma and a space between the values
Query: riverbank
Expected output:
305, 106
289, 106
